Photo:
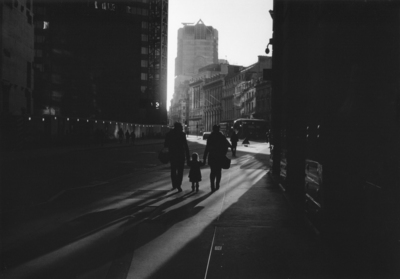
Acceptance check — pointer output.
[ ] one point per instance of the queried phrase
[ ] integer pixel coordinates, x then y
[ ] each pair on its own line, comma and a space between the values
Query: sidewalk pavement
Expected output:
243, 230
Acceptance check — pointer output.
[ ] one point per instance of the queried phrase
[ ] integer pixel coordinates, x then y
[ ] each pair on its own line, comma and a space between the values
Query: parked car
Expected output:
206, 135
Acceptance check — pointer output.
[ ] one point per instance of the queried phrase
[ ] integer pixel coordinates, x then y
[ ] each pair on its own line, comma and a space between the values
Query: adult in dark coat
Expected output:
176, 143
234, 141
120, 135
216, 149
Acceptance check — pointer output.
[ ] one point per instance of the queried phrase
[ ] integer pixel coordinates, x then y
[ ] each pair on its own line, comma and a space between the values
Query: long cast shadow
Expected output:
70, 232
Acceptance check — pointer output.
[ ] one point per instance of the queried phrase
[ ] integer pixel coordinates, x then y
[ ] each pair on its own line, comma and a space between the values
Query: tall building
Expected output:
197, 48
16, 43
103, 60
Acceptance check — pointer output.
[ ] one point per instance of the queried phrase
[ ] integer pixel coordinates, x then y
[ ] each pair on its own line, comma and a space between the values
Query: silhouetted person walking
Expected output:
120, 135
234, 141
176, 143
127, 136
216, 149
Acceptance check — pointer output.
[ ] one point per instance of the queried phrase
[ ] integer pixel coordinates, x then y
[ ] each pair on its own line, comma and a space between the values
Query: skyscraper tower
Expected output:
197, 47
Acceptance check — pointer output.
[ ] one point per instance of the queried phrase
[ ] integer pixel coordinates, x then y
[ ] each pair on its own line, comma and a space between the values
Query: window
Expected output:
104, 6
46, 25
143, 88
128, 9
95, 5
39, 39
144, 38
144, 63
144, 24
29, 17
144, 50
138, 11
144, 76
39, 67
144, 12
38, 24
39, 10
38, 53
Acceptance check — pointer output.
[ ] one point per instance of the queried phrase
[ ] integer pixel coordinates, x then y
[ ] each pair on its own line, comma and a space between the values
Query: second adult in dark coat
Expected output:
216, 149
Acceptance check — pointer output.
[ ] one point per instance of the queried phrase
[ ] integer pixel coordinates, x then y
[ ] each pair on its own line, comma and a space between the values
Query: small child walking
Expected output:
195, 173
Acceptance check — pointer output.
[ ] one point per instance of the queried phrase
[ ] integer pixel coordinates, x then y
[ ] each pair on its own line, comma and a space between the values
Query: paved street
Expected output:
133, 226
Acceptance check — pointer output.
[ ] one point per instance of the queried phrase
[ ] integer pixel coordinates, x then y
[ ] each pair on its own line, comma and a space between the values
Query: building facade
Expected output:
263, 100
234, 93
213, 90
196, 97
108, 61
197, 48
16, 42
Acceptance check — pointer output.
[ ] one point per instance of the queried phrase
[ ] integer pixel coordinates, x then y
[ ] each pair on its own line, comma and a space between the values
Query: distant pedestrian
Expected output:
178, 149
195, 172
216, 149
234, 141
120, 135
127, 136
133, 137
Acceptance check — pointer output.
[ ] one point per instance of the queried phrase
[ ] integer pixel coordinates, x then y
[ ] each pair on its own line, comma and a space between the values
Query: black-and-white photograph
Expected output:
200, 139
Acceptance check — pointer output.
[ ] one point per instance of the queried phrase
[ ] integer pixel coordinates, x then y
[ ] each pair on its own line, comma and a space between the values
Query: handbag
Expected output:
226, 163
163, 156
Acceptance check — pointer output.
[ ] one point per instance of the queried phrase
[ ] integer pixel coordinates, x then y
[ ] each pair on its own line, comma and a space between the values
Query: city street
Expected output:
109, 226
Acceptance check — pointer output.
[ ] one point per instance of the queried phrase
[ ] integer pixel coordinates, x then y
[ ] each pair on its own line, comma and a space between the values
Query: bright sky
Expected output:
244, 29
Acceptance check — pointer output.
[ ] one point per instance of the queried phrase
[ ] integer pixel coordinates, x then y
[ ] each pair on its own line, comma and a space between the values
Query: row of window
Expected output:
40, 67
15, 3
128, 9
41, 39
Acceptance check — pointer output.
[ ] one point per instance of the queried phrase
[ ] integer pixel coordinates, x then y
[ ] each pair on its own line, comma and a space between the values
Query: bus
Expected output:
253, 129
226, 128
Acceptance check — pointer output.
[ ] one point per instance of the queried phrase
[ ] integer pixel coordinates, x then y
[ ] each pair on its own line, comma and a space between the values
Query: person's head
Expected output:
195, 156
178, 126
215, 128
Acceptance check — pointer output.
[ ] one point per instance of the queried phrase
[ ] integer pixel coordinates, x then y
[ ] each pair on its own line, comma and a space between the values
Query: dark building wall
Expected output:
336, 79
16, 58
94, 62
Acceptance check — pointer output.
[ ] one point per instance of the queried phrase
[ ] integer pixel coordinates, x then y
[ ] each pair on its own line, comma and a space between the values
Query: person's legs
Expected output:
212, 178
192, 186
197, 186
179, 176
218, 174
173, 175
